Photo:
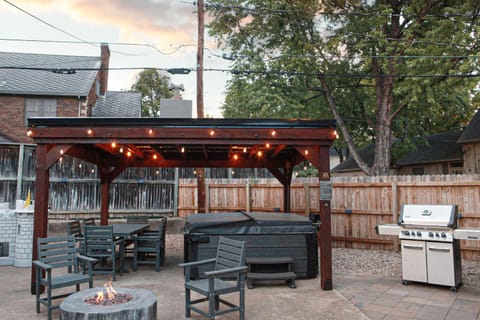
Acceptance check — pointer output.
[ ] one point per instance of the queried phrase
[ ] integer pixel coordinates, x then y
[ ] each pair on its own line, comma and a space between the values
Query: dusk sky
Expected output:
168, 25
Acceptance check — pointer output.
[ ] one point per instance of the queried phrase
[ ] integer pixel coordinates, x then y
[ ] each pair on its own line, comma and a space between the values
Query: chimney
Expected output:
176, 89
105, 59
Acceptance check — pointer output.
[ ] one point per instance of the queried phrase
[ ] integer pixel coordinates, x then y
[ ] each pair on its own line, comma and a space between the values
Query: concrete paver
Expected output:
356, 297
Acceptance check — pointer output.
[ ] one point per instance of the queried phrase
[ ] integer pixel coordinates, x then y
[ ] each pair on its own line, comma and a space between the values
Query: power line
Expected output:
55, 27
97, 43
229, 57
47, 23
67, 70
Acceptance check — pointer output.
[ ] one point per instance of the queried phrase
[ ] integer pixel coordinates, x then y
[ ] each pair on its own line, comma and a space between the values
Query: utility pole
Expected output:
201, 194
200, 46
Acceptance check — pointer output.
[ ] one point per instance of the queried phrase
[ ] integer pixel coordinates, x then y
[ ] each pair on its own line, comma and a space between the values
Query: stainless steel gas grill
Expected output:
429, 241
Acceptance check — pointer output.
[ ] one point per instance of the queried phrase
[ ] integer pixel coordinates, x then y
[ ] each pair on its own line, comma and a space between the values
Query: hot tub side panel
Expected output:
301, 246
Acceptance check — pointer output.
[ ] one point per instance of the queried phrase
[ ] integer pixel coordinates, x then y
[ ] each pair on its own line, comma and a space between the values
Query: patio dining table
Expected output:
128, 230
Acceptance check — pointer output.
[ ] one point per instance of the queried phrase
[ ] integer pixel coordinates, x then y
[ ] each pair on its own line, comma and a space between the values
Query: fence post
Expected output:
176, 186
247, 196
307, 199
396, 243
207, 197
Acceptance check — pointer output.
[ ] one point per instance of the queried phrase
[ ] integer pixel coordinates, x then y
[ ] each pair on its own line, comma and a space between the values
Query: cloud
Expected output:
165, 23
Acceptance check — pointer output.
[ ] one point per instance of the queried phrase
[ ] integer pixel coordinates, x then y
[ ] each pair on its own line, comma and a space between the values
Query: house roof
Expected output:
119, 104
440, 148
472, 131
34, 74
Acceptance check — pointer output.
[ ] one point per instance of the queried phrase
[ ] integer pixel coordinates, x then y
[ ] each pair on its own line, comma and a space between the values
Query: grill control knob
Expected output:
436, 234
419, 234
406, 232
430, 234
444, 235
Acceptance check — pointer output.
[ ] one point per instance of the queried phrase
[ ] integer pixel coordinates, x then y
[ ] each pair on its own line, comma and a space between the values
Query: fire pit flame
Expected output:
108, 296
109, 293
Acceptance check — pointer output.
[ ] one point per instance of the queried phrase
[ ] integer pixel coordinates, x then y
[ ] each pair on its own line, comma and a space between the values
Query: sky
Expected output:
160, 33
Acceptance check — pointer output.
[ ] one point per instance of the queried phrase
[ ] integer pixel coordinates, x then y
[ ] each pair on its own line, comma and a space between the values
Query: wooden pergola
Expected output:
114, 144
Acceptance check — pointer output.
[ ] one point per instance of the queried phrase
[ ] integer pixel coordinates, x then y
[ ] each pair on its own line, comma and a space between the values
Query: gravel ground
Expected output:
389, 264
360, 261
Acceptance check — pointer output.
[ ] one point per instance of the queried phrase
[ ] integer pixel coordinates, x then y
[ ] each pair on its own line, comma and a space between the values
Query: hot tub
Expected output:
266, 234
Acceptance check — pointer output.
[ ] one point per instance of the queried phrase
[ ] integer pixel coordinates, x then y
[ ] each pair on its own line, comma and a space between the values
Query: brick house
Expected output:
41, 85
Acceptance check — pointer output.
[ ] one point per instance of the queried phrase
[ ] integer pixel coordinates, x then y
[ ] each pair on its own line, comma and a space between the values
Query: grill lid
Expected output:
429, 215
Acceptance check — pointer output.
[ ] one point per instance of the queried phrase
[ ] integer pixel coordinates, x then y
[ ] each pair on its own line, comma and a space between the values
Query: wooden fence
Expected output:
358, 204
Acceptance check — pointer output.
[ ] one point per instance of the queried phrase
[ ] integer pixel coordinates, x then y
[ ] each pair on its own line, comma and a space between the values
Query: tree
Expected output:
153, 86
384, 69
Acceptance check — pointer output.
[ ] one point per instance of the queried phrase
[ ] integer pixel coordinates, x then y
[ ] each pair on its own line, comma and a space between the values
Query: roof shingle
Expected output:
18, 74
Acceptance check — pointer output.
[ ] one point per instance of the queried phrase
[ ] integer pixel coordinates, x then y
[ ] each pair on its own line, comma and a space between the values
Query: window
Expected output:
40, 108
418, 171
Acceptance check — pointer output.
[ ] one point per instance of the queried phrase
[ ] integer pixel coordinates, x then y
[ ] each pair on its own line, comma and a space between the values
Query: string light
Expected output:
267, 145
235, 156
182, 150
306, 152
150, 132
121, 150
114, 144
259, 153
61, 151
29, 133
89, 131
273, 133
129, 153
212, 132
244, 149
155, 157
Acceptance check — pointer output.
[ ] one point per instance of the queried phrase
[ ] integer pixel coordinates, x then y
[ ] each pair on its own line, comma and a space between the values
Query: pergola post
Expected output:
326, 223
104, 202
40, 225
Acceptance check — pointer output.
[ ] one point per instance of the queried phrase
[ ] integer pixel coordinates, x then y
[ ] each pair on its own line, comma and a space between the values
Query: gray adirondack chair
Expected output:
150, 244
58, 267
229, 262
74, 228
101, 244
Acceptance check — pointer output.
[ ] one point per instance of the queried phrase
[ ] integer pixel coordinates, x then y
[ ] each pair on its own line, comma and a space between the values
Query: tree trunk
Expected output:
384, 92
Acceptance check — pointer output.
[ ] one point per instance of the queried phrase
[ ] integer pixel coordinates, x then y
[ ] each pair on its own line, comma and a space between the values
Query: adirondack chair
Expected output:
230, 261
58, 267
88, 222
137, 219
150, 244
101, 244
129, 249
74, 228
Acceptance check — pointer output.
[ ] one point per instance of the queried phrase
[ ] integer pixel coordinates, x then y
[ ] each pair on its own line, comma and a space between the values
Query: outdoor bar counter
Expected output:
266, 234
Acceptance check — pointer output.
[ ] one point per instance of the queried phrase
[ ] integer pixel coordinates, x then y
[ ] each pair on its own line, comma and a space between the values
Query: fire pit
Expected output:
125, 303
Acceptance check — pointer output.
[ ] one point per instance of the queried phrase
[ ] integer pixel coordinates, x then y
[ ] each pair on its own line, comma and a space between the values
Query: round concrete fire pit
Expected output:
142, 306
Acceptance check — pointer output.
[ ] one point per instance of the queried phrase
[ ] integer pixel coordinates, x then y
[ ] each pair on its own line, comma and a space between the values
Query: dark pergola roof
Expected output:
185, 142
115, 144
